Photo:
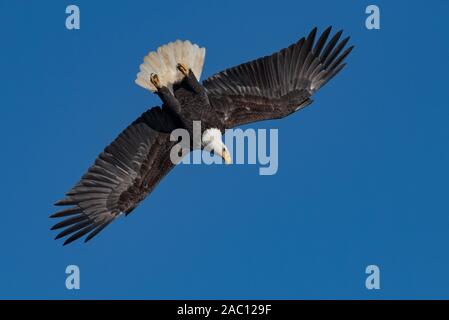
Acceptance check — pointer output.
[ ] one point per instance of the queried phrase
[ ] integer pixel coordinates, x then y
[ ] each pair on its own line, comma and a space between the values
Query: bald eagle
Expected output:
270, 87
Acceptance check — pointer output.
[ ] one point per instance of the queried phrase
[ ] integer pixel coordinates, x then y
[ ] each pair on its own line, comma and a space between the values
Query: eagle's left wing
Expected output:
275, 86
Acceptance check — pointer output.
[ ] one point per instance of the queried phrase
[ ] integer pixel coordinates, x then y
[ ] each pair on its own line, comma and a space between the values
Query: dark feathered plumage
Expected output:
129, 168
274, 86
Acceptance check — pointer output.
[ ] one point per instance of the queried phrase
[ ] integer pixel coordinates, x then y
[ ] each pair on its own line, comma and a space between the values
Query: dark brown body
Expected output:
189, 102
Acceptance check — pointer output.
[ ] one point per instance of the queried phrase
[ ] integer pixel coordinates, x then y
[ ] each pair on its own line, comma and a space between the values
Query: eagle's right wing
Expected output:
274, 86
122, 176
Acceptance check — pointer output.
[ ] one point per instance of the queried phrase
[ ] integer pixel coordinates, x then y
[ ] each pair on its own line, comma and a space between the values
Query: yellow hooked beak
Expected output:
226, 157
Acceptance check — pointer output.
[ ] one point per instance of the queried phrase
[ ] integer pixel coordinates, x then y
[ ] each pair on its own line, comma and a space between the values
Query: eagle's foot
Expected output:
154, 78
183, 69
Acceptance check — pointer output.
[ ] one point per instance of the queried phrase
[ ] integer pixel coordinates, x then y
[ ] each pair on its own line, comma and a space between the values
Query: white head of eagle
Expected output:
212, 142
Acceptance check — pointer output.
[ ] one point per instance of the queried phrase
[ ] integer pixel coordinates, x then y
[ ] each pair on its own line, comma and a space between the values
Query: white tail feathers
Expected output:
164, 63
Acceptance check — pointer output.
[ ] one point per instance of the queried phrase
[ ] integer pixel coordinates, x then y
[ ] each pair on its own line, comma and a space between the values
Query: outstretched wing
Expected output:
122, 176
274, 86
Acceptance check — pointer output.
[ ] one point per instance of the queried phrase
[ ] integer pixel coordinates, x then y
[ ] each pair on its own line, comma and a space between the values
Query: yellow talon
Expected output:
183, 69
154, 78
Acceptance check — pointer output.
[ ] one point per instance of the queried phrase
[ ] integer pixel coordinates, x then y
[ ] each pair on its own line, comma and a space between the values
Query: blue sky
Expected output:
363, 173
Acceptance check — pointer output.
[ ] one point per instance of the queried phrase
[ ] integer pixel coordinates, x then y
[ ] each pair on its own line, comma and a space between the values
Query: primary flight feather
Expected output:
129, 168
